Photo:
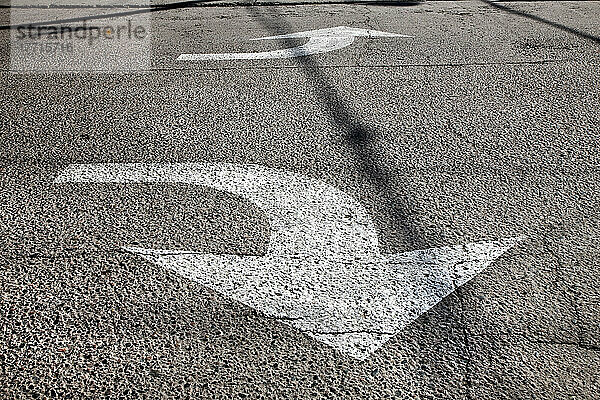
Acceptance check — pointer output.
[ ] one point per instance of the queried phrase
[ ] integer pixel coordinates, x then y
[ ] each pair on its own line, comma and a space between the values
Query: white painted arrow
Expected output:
323, 273
320, 41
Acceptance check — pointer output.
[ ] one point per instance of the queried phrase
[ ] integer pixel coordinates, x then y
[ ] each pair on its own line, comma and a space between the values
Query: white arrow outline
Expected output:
320, 41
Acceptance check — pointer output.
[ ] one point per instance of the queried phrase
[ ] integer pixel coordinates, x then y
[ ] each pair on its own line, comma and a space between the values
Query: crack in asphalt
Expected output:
591, 347
283, 318
348, 332
572, 297
526, 338
323, 67
466, 335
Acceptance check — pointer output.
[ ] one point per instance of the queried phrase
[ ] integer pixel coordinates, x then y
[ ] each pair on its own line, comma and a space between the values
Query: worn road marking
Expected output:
323, 273
320, 41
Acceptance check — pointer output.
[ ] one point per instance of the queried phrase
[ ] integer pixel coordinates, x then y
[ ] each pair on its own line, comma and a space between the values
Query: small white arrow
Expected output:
320, 41
323, 272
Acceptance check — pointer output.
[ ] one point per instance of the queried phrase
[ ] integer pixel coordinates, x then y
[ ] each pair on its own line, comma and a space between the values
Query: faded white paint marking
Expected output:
320, 41
323, 273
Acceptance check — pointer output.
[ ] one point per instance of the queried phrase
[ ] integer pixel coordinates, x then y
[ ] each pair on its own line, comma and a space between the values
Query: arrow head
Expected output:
336, 32
352, 304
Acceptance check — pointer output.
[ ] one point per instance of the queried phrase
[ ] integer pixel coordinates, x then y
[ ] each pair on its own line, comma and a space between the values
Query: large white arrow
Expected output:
320, 41
323, 273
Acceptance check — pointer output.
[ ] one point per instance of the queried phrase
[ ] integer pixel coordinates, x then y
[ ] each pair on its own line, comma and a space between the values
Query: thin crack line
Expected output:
284, 67
572, 297
526, 338
283, 318
466, 335
367, 331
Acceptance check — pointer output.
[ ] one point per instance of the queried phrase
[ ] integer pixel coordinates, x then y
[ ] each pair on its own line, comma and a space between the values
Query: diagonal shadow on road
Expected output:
533, 17
360, 139
136, 11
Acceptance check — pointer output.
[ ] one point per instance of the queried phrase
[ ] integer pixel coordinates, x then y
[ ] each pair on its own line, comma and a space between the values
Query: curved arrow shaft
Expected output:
316, 45
306, 216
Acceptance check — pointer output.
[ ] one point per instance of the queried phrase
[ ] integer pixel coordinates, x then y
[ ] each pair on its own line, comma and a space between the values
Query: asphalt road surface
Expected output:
481, 126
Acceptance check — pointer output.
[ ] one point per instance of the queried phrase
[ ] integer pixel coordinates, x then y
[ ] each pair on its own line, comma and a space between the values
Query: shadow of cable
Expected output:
541, 20
397, 199
136, 11
360, 140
